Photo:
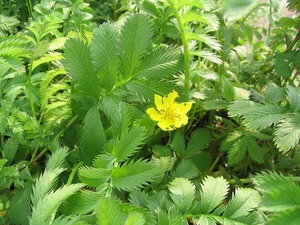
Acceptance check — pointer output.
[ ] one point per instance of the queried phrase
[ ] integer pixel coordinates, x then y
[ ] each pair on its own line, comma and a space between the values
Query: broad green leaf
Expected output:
93, 137
182, 193
241, 107
254, 150
238, 150
227, 89
287, 133
19, 209
198, 141
128, 143
108, 212
263, 116
135, 38
78, 63
93, 177
162, 62
186, 169
132, 175
234, 9
242, 203
213, 192
104, 54
177, 143
206, 220
285, 196
293, 96
135, 218
289, 216
282, 67
82, 202
274, 94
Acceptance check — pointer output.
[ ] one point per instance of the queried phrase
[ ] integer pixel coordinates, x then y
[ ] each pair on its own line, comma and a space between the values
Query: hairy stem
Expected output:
185, 48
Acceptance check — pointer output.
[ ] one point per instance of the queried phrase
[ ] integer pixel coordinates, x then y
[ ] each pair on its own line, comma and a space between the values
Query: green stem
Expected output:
185, 49
74, 170
57, 136
30, 89
29, 7
215, 162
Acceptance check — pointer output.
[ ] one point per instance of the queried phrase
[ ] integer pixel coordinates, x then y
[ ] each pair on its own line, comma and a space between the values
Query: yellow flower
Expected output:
169, 114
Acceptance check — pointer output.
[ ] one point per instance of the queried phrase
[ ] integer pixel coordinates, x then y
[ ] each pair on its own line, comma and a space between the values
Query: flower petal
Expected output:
154, 115
158, 100
184, 107
165, 125
181, 121
170, 98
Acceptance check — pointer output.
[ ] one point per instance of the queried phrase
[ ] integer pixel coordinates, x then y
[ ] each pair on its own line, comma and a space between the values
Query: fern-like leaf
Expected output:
104, 54
135, 38
213, 192
263, 116
128, 143
287, 133
44, 209
132, 175
243, 201
182, 193
78, 63
93, 136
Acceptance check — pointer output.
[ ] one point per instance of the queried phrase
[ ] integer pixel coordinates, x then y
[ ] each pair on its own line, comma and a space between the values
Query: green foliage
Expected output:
76, 143
282, 202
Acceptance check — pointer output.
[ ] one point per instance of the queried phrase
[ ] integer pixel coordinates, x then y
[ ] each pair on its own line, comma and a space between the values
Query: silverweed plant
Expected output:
179, 112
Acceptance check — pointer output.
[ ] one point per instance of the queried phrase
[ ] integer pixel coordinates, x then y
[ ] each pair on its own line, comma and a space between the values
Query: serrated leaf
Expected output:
287, 133
206, 220
208, 56
78, 63
82, 202
182, 193
213, 192
289, 216
254, 150
128, 143
57, 158
104, 54
132, 175
285, 196
93, 177
274, 94
242, 203
241, 107
43, 212
227, 89
238, 150
186, 169
177, 143
263, 116
293, 97
44, 184
162, 62
93, 137
198, 141
135, 218
108, 212
209, 40
135, 38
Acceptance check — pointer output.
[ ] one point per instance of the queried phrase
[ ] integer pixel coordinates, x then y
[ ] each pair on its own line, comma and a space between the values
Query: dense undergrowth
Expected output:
149, 112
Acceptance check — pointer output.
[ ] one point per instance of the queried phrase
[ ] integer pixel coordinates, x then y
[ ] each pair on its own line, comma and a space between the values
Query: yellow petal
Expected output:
181, 121
184, 107
154, 115
165, 125
158, 102
170, 98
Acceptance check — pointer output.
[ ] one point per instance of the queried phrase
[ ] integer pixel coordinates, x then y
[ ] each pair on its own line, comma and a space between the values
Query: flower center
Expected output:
170, 114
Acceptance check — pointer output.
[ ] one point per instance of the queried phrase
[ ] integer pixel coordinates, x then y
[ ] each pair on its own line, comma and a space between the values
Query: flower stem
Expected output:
185, 48
74, 170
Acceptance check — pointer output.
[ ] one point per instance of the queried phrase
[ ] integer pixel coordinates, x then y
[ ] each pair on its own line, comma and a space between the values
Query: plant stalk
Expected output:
185, 49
